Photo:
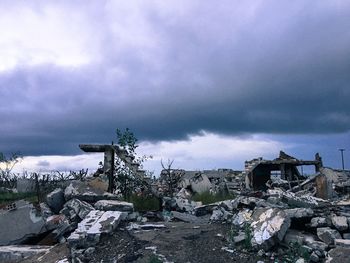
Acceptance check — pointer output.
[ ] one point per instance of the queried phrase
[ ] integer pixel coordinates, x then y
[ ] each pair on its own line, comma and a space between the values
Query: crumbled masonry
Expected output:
272, 206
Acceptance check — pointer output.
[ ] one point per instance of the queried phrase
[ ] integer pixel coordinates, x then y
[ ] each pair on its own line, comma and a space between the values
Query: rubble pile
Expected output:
275, 210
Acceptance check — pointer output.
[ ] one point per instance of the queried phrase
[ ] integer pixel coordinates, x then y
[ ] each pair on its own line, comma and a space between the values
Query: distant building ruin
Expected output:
259, 171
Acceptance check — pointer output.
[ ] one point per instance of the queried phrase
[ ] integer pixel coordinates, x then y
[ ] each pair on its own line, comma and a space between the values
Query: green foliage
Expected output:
10, 197
208, 198
154, 259
125, 181
144, 203
294, 252
248, 233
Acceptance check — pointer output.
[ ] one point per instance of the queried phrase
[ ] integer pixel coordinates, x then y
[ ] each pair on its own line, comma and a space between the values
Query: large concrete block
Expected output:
55, 200
20, 223
269, 227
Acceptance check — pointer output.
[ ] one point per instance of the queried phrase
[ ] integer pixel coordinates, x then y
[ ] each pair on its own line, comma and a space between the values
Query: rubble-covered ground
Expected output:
291, 221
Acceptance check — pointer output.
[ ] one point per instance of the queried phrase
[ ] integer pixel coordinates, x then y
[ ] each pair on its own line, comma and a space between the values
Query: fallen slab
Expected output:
268, 227
94, 224
19, 223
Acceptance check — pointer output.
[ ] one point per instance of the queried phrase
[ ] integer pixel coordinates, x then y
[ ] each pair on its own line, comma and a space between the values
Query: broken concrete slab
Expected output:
55, 200
328, 235
242, 217
76, 210
17, 253
114, 205
94, 224
268, 227
85, 192
20, 223
340, 222
293, 200
299, 212
188, 218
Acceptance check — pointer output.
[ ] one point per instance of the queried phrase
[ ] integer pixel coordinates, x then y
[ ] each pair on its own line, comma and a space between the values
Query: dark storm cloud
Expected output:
230, 68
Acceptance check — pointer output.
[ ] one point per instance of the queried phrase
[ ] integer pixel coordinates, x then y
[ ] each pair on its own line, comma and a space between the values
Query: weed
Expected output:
10, 197
208, 198
144, 203
296, 251
154, 259
248, 232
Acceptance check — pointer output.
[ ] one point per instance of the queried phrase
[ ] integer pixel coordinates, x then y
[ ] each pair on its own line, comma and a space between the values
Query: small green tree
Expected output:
125, 181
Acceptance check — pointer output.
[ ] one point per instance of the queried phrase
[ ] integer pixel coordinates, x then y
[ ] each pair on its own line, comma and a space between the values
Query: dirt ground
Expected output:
177, 242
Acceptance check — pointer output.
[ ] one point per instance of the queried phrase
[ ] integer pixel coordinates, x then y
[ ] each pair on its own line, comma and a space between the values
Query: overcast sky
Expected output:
207, 83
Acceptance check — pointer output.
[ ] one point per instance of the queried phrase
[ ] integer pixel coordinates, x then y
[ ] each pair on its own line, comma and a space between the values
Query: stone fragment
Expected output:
340, 222
293, 236
94, 224
76, 210
342, 243
292, 199
314, 257
318, 222
328, 235
22, 222
85, 192
114, 205
268, 227
300, 260
220, 214
299, 212
186, 217
242, 217
55, 200
338, 255
316, 245
185, 205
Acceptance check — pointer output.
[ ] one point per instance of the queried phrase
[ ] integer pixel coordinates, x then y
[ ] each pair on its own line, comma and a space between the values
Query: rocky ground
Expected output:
176, 242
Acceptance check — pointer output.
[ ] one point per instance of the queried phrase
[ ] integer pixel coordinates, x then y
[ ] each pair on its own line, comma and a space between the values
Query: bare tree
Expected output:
170, 177
6, 166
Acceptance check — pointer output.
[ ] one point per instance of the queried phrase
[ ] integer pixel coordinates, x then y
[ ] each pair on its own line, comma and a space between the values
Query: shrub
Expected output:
209, 198
145, 203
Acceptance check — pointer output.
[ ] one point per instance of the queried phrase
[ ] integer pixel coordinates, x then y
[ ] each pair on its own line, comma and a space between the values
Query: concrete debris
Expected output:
90, 229
340, 222
114, 205
188, 217
242, 217
328, 235
269, 227
319, 222
299, 212
86, 192
342, 243
55, 200
17, 253
20, 223
76, 210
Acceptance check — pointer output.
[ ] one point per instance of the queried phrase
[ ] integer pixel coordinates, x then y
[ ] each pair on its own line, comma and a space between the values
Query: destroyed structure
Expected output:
274, 205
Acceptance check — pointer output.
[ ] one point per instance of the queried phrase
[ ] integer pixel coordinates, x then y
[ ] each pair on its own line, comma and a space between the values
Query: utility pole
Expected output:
342, 157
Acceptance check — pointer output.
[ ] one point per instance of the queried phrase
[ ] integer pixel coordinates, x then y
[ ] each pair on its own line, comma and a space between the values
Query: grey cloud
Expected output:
279, 68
